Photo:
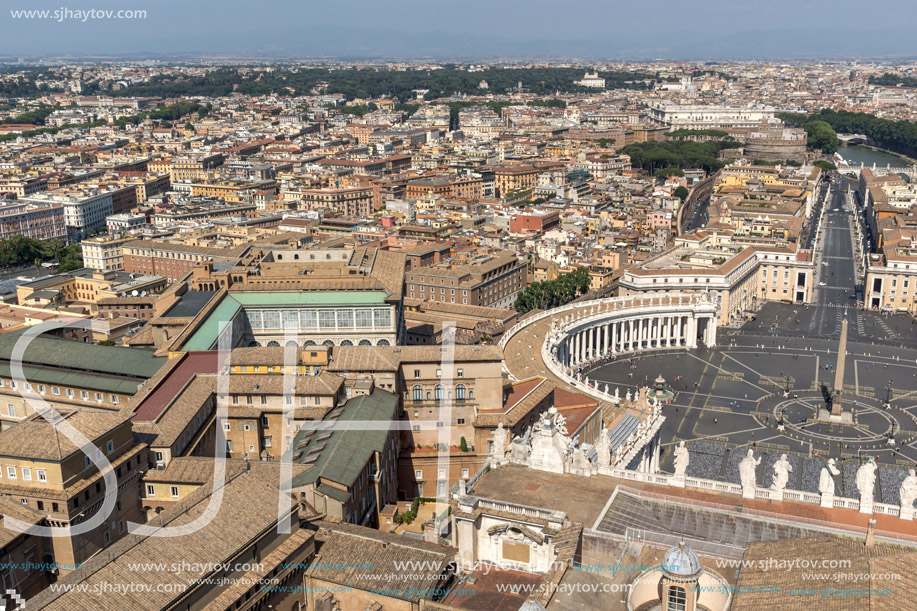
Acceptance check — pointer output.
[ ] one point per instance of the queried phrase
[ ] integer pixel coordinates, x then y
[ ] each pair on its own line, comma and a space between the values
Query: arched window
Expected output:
418, 393
346, 342
308, 342
677, 599
438, 392
254, 344
471, 394
383, 342
291, 343
327, 342
273, 344
365, 342
428, 395
460, 392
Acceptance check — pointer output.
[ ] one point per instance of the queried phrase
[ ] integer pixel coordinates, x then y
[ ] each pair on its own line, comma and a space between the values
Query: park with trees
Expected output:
554, 293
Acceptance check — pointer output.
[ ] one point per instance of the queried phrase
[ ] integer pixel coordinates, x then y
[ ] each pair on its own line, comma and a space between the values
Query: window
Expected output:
266, 441
227, 426
464, 472
54, 507
438, 392
416, 374
150, 490
326, 319
264, 421
42, 475
418, 474
460, 373
114, 399
11, 409
27, 474
173, 490
55, 390
109, 447
460, 392
228, 445
246, 427
69, 393
364, 318
417, 393
441, 473
676, 599
158, 457
461, 421
11, 472
84, 395
100, 396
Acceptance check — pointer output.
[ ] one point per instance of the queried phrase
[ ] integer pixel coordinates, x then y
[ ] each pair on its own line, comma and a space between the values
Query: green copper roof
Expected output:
339, 455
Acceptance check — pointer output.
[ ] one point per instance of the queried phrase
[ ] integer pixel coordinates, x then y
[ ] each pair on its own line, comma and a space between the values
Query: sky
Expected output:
465, 29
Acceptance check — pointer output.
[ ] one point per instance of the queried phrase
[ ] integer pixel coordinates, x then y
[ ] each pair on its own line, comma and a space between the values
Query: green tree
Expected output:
681, 193
822, 136
666, 172
554, 293
827, 166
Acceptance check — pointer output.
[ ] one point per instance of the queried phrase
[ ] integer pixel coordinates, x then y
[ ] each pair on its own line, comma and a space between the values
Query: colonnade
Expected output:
635, 333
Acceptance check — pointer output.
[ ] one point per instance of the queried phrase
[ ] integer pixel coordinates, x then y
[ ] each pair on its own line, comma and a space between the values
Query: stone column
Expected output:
630, 335
607, 346
691, 332
611, 343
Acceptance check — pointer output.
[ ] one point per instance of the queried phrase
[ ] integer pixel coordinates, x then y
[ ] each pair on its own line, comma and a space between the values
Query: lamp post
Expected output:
786, 389
888, 394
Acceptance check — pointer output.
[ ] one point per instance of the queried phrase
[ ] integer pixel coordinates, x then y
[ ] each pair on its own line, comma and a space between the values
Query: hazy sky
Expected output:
700, 29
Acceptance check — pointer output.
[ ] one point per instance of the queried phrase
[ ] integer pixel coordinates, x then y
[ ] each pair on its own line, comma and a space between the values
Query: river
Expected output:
854, 155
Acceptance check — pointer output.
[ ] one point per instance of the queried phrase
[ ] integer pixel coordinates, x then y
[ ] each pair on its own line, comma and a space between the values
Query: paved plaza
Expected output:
735, 396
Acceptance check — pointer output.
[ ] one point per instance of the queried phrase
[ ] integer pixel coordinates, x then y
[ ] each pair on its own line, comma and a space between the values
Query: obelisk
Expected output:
836, 407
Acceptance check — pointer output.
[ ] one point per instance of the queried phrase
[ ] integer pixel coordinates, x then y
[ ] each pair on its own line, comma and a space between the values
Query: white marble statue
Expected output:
908, 490
560, 422
499, 449
826, 477
782, 470
603, 449
866, 481
747, 469
682, 458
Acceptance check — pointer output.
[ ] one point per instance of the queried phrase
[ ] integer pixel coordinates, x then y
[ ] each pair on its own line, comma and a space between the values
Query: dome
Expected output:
681, 562
531, 605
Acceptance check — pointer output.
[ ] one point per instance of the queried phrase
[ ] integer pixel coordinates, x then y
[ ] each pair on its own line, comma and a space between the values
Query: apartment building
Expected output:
84, 210
491, 281
38, 221
104, 253
48, 472
514, 178
172, 260
891, 279
352, 202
